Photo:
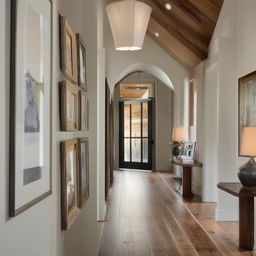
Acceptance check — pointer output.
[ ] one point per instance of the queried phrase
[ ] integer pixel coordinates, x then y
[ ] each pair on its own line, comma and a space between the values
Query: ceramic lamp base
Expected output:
247, 173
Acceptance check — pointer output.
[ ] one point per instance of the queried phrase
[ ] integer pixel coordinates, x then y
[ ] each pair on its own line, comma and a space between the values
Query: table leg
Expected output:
246, 222
186, 182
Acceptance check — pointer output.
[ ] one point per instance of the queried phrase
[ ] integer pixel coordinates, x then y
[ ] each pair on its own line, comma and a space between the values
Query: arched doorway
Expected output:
151, 144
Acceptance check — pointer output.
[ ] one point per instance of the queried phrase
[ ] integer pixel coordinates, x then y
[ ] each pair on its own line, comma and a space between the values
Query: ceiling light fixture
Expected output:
128, 21
156, 34
168, 6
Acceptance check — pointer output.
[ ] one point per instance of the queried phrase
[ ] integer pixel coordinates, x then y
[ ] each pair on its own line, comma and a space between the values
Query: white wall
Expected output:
233, 50
163, 126
151, 54
37, 231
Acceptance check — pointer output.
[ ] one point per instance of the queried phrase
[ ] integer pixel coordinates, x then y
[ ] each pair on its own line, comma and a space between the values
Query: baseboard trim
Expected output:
226, 215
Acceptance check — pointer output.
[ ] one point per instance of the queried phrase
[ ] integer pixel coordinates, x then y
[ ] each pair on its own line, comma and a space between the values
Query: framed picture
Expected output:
69, 185
68, 47
69, 106
189, 149
83, 110
30, 103
81, 62
83, 174
246, 103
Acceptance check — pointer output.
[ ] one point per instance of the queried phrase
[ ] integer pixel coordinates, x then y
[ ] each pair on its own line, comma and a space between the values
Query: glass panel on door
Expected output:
135, 140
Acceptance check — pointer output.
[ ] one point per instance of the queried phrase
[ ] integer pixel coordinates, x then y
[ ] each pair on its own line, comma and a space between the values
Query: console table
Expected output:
186, 177
246, 211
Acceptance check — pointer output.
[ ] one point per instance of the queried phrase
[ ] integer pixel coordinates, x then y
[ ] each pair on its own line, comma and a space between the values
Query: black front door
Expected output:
135, 135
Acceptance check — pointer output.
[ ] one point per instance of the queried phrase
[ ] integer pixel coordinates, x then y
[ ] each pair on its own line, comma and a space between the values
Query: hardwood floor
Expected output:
146, 216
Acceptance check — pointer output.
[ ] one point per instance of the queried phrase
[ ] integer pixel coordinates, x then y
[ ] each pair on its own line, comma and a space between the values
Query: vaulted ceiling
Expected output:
185, 31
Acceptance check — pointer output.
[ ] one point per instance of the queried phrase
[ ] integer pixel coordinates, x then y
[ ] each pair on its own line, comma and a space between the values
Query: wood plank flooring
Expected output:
146, 216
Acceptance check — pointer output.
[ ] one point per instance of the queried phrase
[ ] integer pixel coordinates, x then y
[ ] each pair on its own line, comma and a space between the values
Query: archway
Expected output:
143, 67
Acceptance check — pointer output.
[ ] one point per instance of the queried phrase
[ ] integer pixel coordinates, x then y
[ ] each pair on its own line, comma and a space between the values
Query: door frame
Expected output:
135, 165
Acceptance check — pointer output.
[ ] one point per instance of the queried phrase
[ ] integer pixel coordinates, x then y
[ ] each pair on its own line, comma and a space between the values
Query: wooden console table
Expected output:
186, 177
246, 212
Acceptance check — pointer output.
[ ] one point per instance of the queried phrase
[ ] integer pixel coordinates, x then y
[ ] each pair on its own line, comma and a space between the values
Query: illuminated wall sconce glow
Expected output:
128, 21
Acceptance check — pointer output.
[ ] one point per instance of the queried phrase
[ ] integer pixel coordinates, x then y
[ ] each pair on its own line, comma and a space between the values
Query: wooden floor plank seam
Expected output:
191, 213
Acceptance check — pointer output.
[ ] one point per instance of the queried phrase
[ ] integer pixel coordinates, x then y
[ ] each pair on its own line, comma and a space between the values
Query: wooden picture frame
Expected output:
68, 50
69, 183
81, 62
69, 106
83, 113
83, 173
246, 104
30, 104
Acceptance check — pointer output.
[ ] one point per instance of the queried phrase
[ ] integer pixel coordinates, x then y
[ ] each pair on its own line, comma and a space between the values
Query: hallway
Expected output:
147, 217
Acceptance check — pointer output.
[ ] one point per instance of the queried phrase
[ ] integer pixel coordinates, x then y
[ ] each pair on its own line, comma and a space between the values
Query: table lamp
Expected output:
247, 172
179, 135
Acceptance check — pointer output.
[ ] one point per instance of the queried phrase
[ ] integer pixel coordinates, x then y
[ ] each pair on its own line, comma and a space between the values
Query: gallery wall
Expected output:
37, 231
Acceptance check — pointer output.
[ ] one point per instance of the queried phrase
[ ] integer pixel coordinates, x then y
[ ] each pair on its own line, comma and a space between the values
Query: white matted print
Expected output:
247, 103
30, 175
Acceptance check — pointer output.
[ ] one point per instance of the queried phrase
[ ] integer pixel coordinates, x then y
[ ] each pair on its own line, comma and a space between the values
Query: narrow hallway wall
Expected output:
37, 231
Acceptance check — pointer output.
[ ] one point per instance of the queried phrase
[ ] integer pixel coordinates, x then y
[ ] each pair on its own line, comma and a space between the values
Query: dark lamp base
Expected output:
247, 173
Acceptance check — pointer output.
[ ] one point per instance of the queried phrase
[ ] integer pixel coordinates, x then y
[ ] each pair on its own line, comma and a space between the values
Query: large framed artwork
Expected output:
69, 106
83, 119
30, 103
68, 47
83, 173
69, 183
246, 103
81, 62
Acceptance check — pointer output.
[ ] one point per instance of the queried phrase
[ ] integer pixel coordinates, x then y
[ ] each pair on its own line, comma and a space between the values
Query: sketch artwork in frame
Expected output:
83, 174
246, 103
30, 101
81, 62
83, 110
69, 183
68, 47
69, 106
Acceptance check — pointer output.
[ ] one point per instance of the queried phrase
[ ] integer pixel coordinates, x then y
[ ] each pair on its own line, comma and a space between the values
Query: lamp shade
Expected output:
128, 21
248, 142
180, 134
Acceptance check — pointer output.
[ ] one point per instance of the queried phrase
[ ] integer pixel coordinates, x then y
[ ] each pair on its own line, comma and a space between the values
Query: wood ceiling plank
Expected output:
186, 36
172, 45
186, 14
208, 8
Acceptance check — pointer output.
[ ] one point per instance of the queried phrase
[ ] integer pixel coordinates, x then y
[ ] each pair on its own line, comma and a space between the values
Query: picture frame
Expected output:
189, 150
83, 112
69, 106
68, 50
246, 103
83, 174
30, 115
81, 62
69, 183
